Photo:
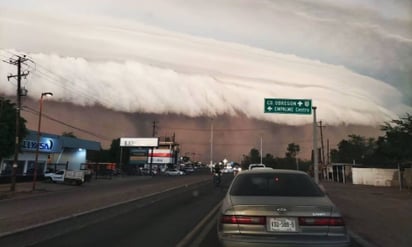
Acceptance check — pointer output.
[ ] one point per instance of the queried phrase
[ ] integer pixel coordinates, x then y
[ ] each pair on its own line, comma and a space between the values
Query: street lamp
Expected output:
38, 139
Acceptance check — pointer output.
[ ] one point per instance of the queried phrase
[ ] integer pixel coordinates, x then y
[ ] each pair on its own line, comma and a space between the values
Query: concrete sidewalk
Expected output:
51, 202
378, 216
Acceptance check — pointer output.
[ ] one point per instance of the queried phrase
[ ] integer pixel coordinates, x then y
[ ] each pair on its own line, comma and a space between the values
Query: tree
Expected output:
292, 150
269, 160
8, 128
397, 142
356, 148
115, 150
252, 158
334, 155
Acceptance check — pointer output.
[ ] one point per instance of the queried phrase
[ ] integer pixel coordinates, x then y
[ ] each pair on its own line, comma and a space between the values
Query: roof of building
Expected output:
69, 142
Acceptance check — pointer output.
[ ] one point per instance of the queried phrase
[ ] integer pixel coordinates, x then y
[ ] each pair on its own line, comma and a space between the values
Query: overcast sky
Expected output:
353, 58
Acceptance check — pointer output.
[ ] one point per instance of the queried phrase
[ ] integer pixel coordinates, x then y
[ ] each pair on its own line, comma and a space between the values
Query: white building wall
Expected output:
375, 176
75, 157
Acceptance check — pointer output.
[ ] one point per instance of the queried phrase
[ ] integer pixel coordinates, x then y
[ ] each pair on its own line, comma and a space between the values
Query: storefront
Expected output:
55, 152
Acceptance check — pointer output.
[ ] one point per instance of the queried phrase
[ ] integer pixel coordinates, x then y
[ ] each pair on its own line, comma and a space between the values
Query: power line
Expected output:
11, 53
280, 144
214, 129
35, 112
52, 77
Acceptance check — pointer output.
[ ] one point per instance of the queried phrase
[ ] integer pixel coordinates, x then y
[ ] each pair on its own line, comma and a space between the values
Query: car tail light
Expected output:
241, 219
321, 221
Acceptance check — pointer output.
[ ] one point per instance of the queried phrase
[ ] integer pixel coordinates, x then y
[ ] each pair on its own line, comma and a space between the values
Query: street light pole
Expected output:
38, 138
297, 163
211, 143
315, 147
261, 150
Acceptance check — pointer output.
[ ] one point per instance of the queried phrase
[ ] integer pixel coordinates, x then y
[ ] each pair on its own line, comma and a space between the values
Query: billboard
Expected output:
161, 156
139, 142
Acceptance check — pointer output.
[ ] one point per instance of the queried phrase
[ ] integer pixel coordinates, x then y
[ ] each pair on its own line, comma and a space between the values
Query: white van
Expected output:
252, 166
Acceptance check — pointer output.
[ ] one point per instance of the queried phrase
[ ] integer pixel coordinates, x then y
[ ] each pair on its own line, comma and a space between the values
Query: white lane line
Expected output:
204, 225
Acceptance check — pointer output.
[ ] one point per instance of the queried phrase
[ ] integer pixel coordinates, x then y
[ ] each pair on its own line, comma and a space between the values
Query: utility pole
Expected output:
322, 145
154, 129
20, 92
327, 159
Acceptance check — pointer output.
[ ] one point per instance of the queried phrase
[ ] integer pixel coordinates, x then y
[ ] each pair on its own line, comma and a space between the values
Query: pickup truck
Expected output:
65, 176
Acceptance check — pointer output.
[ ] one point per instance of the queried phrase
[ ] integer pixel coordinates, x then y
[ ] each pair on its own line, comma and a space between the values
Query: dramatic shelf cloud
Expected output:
206, 58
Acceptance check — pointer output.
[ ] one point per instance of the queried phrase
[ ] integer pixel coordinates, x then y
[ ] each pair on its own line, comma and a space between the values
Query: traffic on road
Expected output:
258, 207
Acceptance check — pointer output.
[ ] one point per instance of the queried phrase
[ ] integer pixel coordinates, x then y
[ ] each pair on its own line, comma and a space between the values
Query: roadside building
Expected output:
164, 156
55, 152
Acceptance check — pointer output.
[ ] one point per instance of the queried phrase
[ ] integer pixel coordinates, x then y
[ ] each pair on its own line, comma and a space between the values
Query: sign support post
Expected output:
315, 147
297, 106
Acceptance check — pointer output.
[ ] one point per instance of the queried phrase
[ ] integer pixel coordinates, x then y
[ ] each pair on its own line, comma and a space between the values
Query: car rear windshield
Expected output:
274, 184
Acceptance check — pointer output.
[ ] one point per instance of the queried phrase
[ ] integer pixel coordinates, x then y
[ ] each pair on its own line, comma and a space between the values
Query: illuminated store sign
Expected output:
45, 144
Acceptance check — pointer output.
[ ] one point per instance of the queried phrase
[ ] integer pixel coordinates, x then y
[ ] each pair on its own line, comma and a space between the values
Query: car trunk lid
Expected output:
282, 215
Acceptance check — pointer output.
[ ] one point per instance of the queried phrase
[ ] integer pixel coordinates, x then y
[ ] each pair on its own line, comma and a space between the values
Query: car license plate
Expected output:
282, 224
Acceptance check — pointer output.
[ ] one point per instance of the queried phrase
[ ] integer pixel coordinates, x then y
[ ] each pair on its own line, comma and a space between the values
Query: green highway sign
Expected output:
288, 106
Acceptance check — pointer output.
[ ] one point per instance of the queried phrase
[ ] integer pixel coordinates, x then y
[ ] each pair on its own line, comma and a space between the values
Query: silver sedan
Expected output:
267, 207
174, 172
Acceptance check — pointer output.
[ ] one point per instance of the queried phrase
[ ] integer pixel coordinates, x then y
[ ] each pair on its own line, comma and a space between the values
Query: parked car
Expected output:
268, 207
146, 172
188, 170
174, 172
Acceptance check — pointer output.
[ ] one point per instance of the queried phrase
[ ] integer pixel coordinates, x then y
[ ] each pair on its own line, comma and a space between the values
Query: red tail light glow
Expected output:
321, 221
241, 219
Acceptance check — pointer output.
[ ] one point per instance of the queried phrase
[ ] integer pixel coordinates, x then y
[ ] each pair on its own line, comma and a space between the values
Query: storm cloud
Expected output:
208, 58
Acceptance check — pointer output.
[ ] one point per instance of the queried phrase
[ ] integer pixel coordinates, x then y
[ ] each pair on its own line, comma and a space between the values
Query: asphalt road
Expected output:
165, 219
161, 222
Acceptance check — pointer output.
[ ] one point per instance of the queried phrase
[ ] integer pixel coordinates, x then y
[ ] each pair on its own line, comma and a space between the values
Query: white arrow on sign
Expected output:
270, 108
300, 103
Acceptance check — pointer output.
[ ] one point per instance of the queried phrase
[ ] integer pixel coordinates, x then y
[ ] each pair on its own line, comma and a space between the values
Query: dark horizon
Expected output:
233, 136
